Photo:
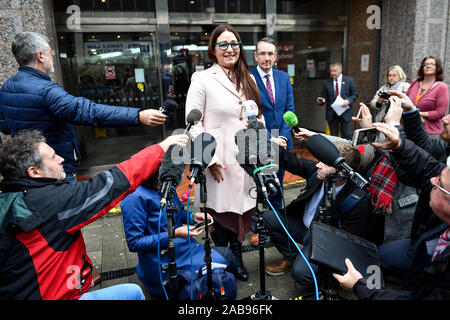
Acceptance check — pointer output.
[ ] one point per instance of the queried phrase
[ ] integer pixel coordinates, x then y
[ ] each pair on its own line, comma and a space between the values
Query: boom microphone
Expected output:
193, 116
291, 119
171, 171
325, 151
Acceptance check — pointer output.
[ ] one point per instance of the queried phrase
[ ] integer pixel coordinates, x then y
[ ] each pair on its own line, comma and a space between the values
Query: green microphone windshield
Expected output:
290, 118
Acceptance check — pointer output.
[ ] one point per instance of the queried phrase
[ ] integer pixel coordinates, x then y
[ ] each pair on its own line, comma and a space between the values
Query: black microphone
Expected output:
250, 147
169, 106
193, 116
203, 148
325, 151
171, 171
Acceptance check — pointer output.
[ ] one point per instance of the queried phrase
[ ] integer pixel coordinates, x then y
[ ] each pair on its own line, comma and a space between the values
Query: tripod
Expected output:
172, 281
200, 178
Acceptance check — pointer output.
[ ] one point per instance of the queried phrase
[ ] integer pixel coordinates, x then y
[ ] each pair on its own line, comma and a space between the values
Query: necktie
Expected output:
442, 243
337, 88
269, 87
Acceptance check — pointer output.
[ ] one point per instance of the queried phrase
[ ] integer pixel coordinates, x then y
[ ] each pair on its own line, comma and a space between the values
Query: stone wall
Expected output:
25, 15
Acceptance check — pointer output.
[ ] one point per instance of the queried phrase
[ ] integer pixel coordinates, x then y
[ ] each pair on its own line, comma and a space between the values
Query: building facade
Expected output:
136, 52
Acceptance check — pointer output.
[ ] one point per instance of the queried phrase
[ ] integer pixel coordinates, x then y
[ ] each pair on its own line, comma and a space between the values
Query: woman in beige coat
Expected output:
219, 93
395, 80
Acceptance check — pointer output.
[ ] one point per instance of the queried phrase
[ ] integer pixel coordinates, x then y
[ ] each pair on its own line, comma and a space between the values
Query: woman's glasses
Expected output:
223, 45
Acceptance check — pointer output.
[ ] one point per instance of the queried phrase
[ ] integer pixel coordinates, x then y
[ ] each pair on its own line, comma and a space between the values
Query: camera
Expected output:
384, 95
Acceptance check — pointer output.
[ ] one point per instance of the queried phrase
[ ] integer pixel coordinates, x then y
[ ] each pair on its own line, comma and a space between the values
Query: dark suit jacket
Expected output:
284, 101
348, 91
355, 221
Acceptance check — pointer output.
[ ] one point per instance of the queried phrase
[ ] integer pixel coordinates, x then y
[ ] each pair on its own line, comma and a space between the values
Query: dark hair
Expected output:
20, 152
268, 40
439, 69
241, 68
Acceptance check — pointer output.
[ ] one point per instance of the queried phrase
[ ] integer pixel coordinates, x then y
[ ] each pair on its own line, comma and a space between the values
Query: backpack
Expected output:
223, 282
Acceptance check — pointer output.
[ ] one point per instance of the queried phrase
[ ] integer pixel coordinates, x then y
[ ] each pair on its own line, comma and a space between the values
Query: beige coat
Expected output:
221, 105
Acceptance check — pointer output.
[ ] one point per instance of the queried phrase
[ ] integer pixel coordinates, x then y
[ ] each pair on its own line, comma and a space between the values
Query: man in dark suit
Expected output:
343, 86
276, 94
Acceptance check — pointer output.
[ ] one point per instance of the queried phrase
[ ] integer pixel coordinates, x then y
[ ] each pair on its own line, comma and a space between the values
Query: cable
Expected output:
300, 251
190, 251
159, 256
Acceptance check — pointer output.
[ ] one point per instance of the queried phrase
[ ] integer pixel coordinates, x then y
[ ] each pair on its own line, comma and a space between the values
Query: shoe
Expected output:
236, 249
254, 239
96, 278
278, 268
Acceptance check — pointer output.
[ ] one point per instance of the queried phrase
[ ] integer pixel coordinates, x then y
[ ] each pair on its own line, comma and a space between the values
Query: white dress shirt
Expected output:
263, 74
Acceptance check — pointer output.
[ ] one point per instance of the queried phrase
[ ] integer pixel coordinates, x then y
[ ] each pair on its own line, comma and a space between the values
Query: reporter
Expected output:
433, 280
141, 214
42, 250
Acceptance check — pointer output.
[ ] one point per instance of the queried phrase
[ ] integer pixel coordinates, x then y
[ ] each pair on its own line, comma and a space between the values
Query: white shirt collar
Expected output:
262, 74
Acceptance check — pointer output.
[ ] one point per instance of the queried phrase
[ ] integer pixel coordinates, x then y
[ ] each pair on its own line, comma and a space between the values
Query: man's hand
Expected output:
348, 280
180, 139
345, 103
392, 141
151, 117
365, 119
304, 134
182, 232
407, 104
320, 100
280, 141
394, 115
200, 216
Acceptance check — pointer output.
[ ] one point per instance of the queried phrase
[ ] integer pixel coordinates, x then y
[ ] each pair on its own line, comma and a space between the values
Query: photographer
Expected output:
42, 250
312, 204
395, 81
424, 257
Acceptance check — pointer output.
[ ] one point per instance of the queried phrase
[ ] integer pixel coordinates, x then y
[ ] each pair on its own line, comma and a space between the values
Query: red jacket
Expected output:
42, 250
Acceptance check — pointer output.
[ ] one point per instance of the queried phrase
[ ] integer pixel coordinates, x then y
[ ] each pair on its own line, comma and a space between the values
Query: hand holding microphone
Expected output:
291, 119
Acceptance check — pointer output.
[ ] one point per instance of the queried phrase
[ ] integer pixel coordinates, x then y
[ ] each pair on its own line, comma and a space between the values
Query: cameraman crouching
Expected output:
315, 204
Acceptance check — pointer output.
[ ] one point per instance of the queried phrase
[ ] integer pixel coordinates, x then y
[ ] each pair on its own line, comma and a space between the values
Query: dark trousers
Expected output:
277, 199
339, 123
300, 270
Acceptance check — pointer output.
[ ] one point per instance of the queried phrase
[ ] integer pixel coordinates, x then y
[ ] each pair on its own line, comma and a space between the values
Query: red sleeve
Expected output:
142, 165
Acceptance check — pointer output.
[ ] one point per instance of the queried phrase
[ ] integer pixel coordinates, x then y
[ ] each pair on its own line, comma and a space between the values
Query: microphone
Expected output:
169, 106
325, 151
203, 148
291, 119
193, 116
251, 110
249, 160
171, 173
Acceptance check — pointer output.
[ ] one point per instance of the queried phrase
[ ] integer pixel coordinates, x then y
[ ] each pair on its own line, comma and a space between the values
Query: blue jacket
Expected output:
30, 100
140, 211
284, 101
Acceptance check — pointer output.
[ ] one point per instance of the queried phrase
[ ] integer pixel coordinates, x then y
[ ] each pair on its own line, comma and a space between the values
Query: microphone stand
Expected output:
201, 179
172, 282
261, 206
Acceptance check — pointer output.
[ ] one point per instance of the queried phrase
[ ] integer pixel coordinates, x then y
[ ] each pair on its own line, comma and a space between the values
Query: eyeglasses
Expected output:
439, 187
223, 45
269, 54
429, 64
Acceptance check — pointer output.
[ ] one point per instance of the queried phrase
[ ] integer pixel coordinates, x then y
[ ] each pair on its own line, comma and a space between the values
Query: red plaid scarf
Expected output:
442, 243
382, 185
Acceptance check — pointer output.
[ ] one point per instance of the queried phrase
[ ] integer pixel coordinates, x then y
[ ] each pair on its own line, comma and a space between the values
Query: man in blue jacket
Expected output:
276, 94
30, 100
